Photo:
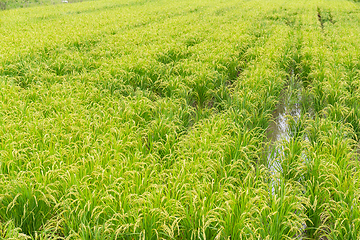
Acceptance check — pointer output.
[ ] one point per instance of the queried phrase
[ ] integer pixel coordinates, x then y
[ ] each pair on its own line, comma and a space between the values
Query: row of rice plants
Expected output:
325, 162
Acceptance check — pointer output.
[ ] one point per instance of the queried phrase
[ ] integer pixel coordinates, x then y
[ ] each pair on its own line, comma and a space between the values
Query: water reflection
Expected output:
280, 132
279, 129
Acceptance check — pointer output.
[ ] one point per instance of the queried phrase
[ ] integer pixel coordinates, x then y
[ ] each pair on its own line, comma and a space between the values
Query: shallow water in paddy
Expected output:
280, 131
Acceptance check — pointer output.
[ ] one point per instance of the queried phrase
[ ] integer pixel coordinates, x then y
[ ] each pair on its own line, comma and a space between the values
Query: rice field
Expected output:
164, 119
11, 4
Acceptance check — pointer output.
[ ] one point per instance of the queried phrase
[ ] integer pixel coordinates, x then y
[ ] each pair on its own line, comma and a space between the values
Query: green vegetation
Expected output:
9, 4
139, 119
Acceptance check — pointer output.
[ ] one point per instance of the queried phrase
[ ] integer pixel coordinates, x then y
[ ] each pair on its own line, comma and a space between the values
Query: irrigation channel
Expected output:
287, 114
280, 131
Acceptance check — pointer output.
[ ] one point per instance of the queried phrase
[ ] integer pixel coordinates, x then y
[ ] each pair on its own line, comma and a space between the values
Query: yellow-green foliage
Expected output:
138, 119
10, 4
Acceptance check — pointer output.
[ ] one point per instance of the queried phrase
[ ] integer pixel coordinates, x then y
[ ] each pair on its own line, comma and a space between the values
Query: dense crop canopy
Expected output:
138, 119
